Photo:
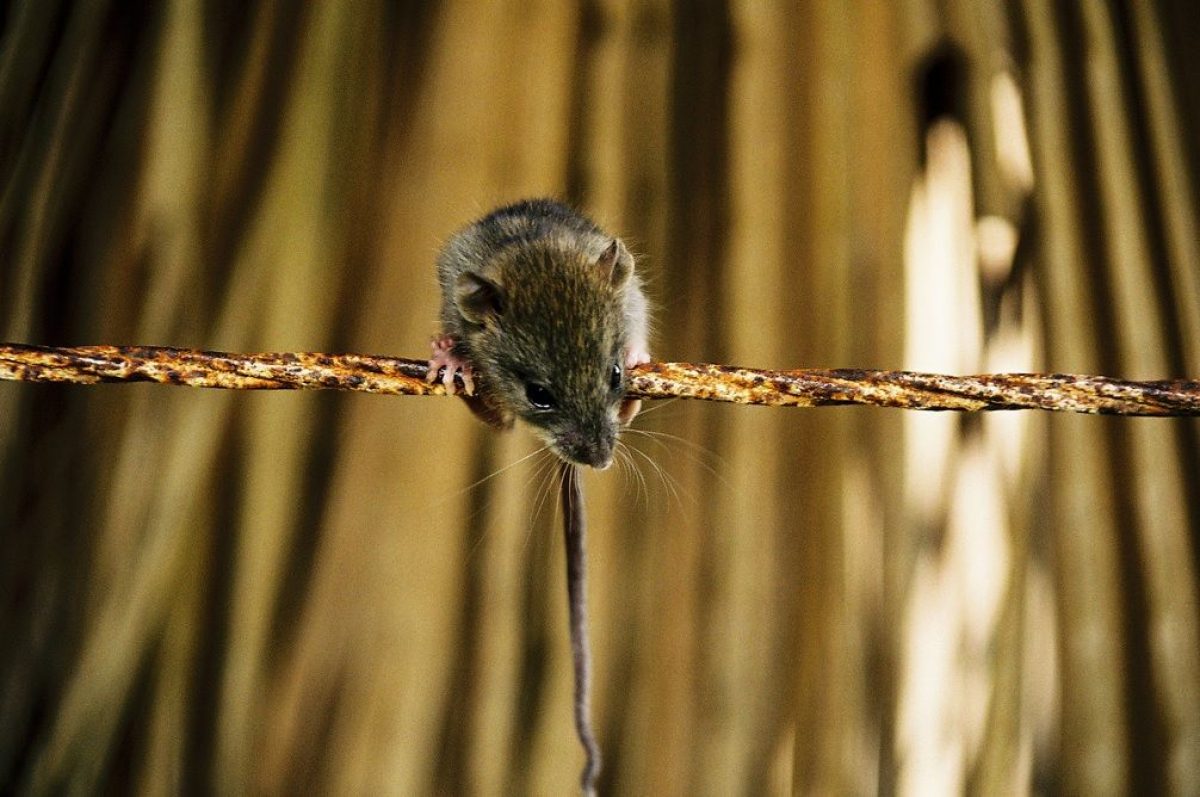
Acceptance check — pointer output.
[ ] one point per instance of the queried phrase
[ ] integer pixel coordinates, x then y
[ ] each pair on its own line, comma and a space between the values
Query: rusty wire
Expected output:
803, 388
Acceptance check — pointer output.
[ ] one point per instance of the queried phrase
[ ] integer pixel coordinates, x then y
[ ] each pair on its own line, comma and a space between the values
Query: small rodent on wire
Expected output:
543, 315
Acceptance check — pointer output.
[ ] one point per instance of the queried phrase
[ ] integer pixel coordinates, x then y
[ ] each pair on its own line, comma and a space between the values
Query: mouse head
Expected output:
546, 331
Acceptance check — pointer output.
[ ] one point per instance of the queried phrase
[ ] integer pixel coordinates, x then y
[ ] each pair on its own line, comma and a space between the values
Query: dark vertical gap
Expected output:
23, 99
199, 775
1147, 759
320, 457
1179, 23
796, 242
1023, 267
230, 28
591, 28
535, 647
228, 217
1046, 776
43, 572
60, 294
1145, 735
1152, 202
616, 719
49, 489
699, 176
311, 774
940, 87
1187, 430
1048, 764
456, 745
131, 735
1156, 230
1084, 158
112, 202
650, 28
697, 238
403, 68
406, 37
402, 60
403, 50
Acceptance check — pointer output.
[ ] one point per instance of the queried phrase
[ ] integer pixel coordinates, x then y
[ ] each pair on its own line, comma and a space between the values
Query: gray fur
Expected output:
526, 300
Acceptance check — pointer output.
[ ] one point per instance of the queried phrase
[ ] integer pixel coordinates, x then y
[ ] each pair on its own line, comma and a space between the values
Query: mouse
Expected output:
543, 315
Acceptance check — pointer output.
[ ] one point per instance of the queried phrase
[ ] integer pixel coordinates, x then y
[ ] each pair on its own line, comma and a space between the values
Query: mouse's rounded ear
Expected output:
615, 264
478, 298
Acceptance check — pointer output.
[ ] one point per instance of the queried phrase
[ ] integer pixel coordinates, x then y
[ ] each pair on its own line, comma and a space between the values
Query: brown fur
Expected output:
536, 293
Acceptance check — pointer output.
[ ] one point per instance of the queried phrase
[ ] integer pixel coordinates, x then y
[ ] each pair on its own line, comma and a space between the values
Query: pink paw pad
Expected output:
635, 356
449, 364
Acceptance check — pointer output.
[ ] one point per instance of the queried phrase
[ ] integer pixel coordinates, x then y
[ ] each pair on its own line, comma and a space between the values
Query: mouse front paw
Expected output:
636, 355
449, 364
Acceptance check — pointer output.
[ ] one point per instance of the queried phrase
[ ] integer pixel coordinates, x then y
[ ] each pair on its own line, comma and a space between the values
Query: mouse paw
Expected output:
636, 355
448, 363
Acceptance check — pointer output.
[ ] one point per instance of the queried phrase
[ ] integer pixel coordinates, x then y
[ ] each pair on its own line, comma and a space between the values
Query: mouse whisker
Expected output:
670, 483
546, 484
541, 474
658, 407
483, 533
485, 506
694, 452
691, 445
643, 486
643, 492
627, 451
460, 492
630, 472
540, 477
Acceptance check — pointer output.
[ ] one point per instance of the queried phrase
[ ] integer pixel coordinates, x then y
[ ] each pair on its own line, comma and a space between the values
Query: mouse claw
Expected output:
446, 362
462, 370
448, 372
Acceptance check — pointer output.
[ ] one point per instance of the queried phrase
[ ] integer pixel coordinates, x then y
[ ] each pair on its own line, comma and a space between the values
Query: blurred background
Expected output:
298, 593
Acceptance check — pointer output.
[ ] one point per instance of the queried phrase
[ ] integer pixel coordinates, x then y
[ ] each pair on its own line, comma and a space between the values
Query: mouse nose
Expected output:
601, 460
598, 456
595, 451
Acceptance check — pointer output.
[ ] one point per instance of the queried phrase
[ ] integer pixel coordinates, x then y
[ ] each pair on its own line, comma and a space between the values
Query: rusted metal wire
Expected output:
804, 388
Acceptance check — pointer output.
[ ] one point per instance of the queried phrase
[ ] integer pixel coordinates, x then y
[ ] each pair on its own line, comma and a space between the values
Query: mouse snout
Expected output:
591, 449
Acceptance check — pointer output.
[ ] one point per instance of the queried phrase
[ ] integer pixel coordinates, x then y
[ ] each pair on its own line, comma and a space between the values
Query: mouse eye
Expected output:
614, 379
538, 396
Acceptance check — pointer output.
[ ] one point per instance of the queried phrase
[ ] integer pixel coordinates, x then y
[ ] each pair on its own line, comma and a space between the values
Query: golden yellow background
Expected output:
301, 593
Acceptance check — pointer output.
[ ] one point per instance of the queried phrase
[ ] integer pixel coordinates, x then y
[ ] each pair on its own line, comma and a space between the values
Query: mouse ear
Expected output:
477, 298
615, 263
